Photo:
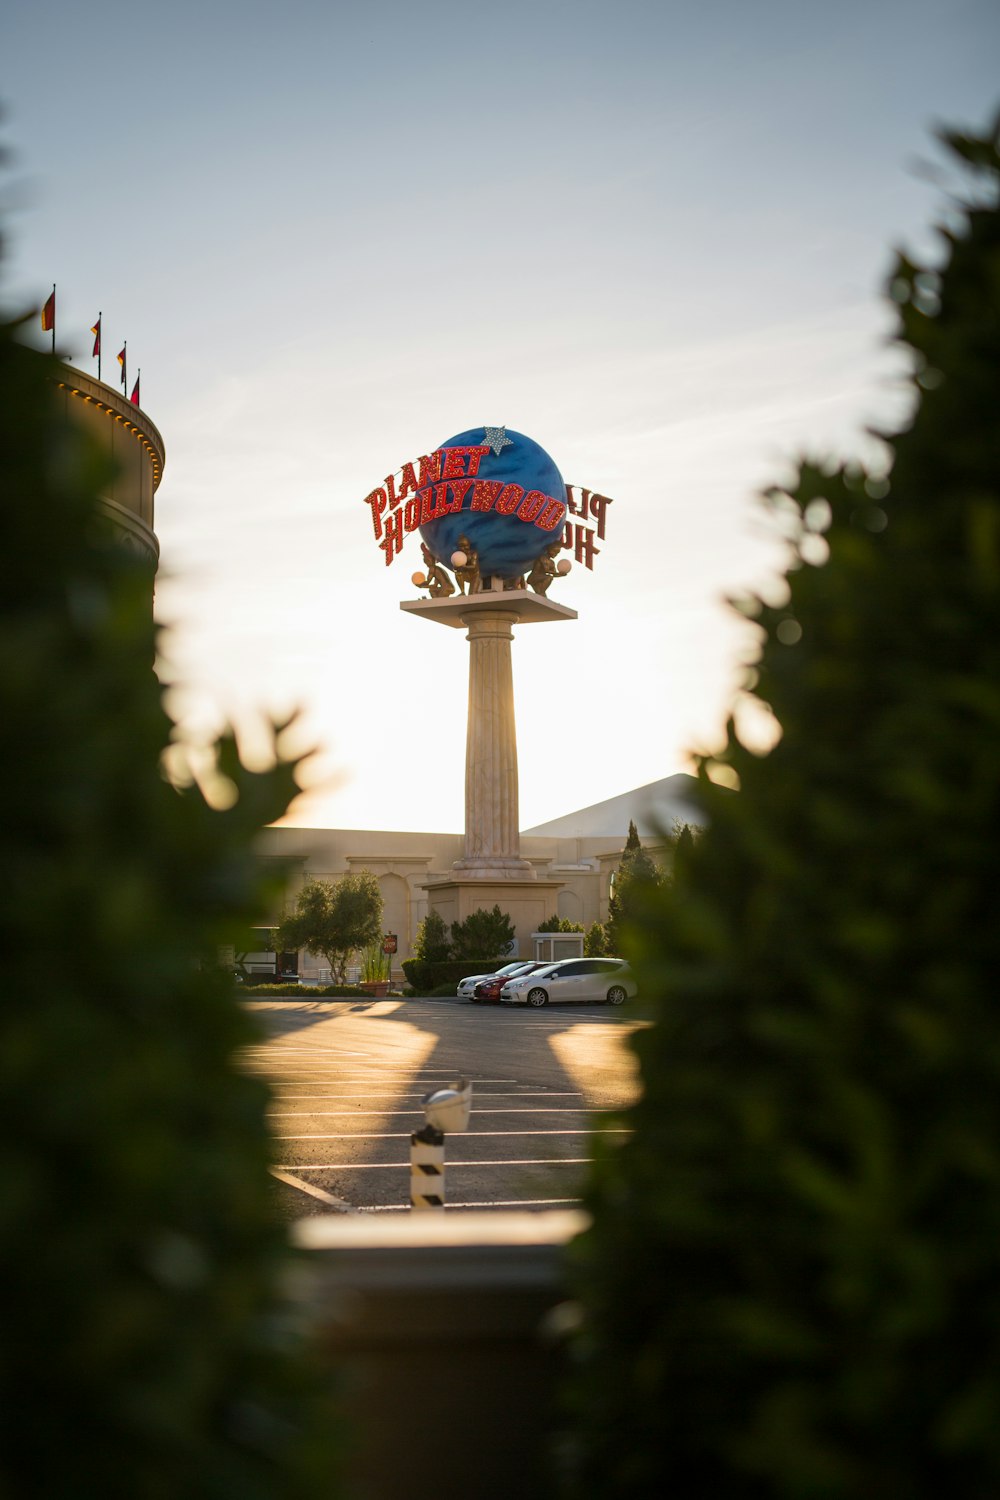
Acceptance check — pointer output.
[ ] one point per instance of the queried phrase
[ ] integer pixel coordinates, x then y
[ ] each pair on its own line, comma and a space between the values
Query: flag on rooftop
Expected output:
134, 398
96, 331
49, 312
121, 361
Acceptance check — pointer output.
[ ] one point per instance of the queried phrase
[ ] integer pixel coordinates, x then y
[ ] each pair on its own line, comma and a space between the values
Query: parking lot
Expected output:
348, 1077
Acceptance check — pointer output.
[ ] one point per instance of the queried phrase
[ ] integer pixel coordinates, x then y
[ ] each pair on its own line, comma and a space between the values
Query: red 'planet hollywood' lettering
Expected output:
589, 507
453, 483
485, 493
509, 499
446, 478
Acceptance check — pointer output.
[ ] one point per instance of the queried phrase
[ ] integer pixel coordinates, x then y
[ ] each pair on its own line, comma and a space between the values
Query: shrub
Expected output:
637, 875
684, 843
431, 942
595, 943
482, 932
559, 924
415, 970
301, 991
148, 1348
425, 977
790, 1285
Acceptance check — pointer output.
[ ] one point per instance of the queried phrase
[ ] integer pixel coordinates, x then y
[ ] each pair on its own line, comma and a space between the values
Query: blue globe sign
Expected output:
513, 502
489, 493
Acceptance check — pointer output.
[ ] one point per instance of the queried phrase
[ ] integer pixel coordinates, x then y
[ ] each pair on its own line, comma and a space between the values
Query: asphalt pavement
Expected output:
348, 1077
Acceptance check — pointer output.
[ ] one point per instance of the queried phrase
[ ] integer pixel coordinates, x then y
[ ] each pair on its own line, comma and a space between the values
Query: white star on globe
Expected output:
496, 438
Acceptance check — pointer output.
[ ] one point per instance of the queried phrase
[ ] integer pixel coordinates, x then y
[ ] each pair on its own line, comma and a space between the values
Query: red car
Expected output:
488, 989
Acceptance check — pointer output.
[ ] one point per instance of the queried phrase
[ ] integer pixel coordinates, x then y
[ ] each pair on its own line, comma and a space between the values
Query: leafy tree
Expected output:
683, 845
595, 944
483, 934
431, 943
334, 918
636, 876
149, 1347
559, 924
808, 1200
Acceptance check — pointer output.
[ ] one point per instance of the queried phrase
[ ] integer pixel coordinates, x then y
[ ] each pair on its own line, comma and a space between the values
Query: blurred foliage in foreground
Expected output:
791, 1285
151, 1345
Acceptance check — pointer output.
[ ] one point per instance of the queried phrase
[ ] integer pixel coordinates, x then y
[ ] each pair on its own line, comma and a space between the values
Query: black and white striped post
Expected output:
427, 1168
446, 1110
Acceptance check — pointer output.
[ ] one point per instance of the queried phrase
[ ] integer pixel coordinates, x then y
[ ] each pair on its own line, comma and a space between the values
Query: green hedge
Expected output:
301, 991
150, 1347
790, 1289
424, 976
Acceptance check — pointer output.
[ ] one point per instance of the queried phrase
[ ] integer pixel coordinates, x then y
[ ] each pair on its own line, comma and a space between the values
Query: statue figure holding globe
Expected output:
465, 561
436, 580
544, 569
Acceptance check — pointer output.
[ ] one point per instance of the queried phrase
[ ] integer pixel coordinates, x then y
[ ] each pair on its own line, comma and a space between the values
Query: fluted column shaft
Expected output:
492, 837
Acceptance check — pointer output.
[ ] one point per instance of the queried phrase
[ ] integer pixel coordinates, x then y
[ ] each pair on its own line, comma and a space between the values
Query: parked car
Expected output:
489, 988
467, 985
572, 980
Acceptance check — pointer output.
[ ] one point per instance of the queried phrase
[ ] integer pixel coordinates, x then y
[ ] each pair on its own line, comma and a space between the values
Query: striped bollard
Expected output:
427, 1169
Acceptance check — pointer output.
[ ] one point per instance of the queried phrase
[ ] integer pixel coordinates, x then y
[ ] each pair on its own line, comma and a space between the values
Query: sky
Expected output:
652, 235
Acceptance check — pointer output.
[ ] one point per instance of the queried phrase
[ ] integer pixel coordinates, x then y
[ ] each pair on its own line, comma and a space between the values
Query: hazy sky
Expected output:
653, 236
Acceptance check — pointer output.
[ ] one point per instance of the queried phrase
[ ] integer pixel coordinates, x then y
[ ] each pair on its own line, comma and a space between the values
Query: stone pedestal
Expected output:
491, 871
527, 902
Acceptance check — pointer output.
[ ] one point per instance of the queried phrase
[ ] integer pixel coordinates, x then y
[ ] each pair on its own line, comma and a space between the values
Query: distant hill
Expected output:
651, 808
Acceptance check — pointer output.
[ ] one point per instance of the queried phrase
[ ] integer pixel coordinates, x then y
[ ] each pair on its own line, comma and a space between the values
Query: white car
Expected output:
467, 985
572, 980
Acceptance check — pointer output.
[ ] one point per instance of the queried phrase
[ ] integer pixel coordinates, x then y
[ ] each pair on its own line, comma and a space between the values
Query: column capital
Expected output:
526, 607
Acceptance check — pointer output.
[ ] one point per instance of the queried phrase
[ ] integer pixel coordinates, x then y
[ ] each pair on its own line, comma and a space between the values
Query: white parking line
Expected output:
408, 1094
528, 1204
404, 1135
285, 1048
355, 1114
404, 1166
314, 1192
385, 1076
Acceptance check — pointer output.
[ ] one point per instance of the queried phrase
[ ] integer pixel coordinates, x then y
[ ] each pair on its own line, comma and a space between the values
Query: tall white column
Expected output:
492, 850
492, 837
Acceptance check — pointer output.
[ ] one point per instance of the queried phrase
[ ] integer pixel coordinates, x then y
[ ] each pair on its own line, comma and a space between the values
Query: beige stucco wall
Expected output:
573, 874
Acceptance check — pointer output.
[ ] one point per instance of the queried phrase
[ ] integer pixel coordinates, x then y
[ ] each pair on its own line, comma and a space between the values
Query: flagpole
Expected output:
100, 325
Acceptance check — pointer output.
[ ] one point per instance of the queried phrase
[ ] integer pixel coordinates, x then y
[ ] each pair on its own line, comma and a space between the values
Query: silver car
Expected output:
572, 980
467, 985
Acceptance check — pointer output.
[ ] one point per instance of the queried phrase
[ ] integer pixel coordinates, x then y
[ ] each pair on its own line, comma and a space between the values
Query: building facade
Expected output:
135, 447
574, 857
